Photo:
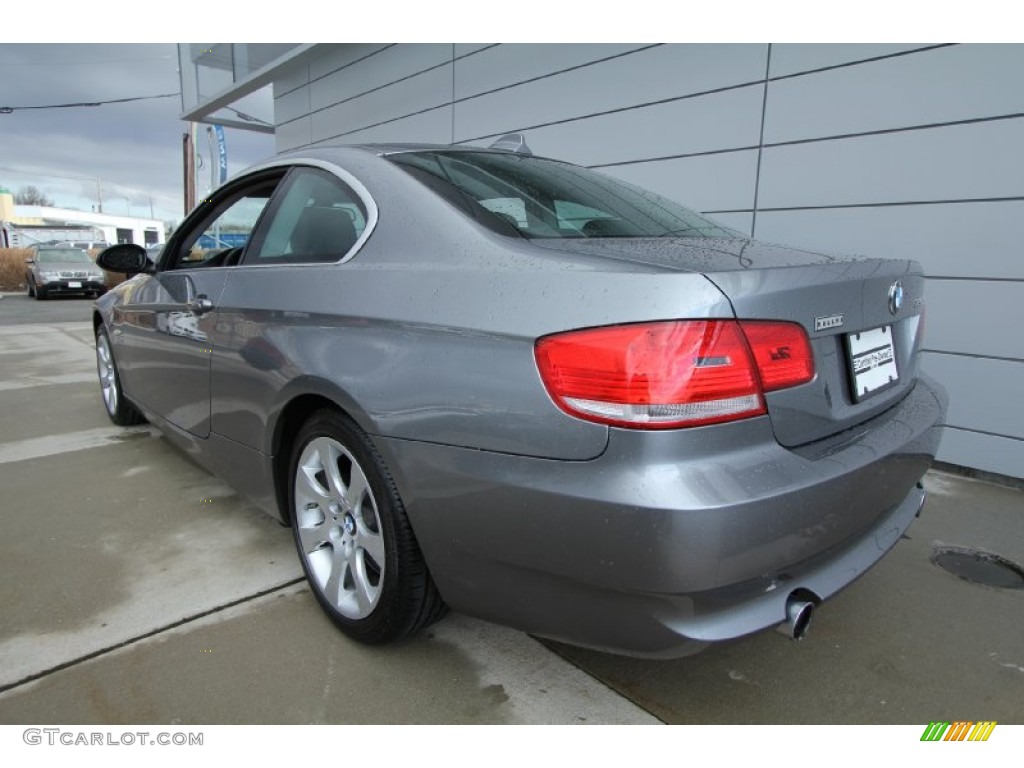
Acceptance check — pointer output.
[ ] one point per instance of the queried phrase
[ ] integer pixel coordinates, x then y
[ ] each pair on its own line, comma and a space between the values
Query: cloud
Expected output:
135, 149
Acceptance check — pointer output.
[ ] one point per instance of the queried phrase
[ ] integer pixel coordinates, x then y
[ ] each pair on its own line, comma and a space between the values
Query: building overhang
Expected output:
231, 61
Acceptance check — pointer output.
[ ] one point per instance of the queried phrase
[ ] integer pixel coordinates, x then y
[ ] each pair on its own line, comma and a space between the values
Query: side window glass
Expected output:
221, 241
573, 217
512, 209
319, 219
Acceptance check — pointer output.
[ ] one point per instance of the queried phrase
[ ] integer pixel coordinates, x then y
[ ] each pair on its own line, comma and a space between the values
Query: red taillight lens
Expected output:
782, 353
670, 374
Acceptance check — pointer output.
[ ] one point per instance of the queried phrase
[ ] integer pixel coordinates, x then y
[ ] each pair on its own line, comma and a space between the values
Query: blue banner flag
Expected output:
222, 150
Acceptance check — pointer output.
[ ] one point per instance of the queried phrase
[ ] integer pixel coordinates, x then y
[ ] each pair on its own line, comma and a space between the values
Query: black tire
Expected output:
31, 288
41, 294
120, 411
353, 538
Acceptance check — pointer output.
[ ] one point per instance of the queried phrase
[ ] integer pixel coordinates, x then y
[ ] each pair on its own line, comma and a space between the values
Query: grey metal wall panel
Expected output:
378, 71
291, 77
417, 93
984, 394
595, 115
658, 73
297, 133
705, 183
340, 55
788, 58
951, 163
718, 121
461, 49
432, 127
293, 104
952, 240
971, 316
506, 64
992, 454
963, 82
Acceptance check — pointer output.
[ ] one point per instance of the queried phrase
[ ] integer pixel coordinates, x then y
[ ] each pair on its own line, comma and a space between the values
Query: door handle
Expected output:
200, 305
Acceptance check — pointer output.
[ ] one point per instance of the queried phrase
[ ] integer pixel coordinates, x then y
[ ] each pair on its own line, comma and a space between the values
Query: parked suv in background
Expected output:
55, 269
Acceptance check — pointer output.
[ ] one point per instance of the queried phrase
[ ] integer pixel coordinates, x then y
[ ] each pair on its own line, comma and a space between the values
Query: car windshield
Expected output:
541, 198
63, 256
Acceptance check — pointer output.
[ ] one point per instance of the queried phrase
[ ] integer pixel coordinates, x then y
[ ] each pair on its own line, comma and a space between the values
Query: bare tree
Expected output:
32, 196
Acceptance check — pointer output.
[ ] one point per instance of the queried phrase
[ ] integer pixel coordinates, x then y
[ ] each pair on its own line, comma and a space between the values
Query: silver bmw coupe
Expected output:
479, 379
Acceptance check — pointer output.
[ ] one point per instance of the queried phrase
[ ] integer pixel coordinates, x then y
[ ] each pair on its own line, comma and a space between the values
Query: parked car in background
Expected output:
61, 270
530, 392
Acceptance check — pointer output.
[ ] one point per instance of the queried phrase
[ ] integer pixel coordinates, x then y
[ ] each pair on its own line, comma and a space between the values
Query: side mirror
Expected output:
127, 258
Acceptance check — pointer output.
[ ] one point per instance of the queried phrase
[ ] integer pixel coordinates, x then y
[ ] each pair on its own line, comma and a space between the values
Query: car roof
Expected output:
330, 152
395, 148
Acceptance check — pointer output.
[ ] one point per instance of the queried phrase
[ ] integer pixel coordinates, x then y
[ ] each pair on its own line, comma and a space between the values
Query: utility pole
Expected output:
188, 156
99, 194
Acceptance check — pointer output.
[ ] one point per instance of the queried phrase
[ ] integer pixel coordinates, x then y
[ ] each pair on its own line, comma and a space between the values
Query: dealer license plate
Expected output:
872, 361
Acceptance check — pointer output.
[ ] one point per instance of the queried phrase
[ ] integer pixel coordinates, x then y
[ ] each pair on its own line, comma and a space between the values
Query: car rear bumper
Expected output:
668, 540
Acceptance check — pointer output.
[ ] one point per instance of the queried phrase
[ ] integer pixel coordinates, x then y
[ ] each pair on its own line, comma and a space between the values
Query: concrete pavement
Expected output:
907, 643
139, 589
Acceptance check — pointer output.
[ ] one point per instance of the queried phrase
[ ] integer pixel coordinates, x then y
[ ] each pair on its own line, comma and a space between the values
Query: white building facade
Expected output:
901, 151
26, 225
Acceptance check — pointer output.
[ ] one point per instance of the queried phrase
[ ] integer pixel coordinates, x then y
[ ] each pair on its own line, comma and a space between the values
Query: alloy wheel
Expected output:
107, 374
338, 528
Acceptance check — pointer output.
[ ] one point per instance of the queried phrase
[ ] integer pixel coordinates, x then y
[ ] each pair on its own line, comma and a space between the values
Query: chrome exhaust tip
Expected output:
798, 617
799, 612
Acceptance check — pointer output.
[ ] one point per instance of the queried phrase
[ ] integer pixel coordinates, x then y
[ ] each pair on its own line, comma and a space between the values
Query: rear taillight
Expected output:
673, 374
781, 351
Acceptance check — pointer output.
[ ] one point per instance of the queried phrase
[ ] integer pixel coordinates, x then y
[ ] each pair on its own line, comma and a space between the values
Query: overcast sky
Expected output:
135, 149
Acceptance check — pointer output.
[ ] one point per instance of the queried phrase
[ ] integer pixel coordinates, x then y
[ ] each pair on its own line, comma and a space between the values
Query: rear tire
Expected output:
354, 540
120, 411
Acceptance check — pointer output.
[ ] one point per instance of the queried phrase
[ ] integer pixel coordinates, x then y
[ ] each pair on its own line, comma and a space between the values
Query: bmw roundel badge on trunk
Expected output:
895, 297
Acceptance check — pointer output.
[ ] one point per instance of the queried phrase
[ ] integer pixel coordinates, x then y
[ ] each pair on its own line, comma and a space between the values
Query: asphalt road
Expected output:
139, 589
19, 309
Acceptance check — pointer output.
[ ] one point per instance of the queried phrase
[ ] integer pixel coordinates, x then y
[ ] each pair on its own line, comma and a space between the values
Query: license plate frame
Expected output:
871, 359
74, 283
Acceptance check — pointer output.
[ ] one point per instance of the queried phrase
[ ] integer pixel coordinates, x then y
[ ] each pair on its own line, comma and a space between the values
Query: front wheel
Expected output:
120, 411
353, 537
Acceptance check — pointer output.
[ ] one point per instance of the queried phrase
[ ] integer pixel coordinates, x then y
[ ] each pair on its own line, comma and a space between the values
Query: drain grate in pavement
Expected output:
979, 567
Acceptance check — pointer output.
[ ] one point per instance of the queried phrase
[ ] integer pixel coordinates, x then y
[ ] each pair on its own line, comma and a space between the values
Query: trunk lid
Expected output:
865, 346
865, 354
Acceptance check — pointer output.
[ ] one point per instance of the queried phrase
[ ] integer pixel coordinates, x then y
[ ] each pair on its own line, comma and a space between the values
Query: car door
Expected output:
167, 326
318, 220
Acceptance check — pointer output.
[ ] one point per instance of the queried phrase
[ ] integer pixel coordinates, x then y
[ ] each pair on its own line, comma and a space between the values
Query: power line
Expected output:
9, 110
83, 62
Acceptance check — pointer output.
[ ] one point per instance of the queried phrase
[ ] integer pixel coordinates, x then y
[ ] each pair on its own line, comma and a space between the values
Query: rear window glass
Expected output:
535, 197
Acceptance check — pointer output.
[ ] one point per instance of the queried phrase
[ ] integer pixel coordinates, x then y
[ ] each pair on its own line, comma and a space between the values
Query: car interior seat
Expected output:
323, 234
